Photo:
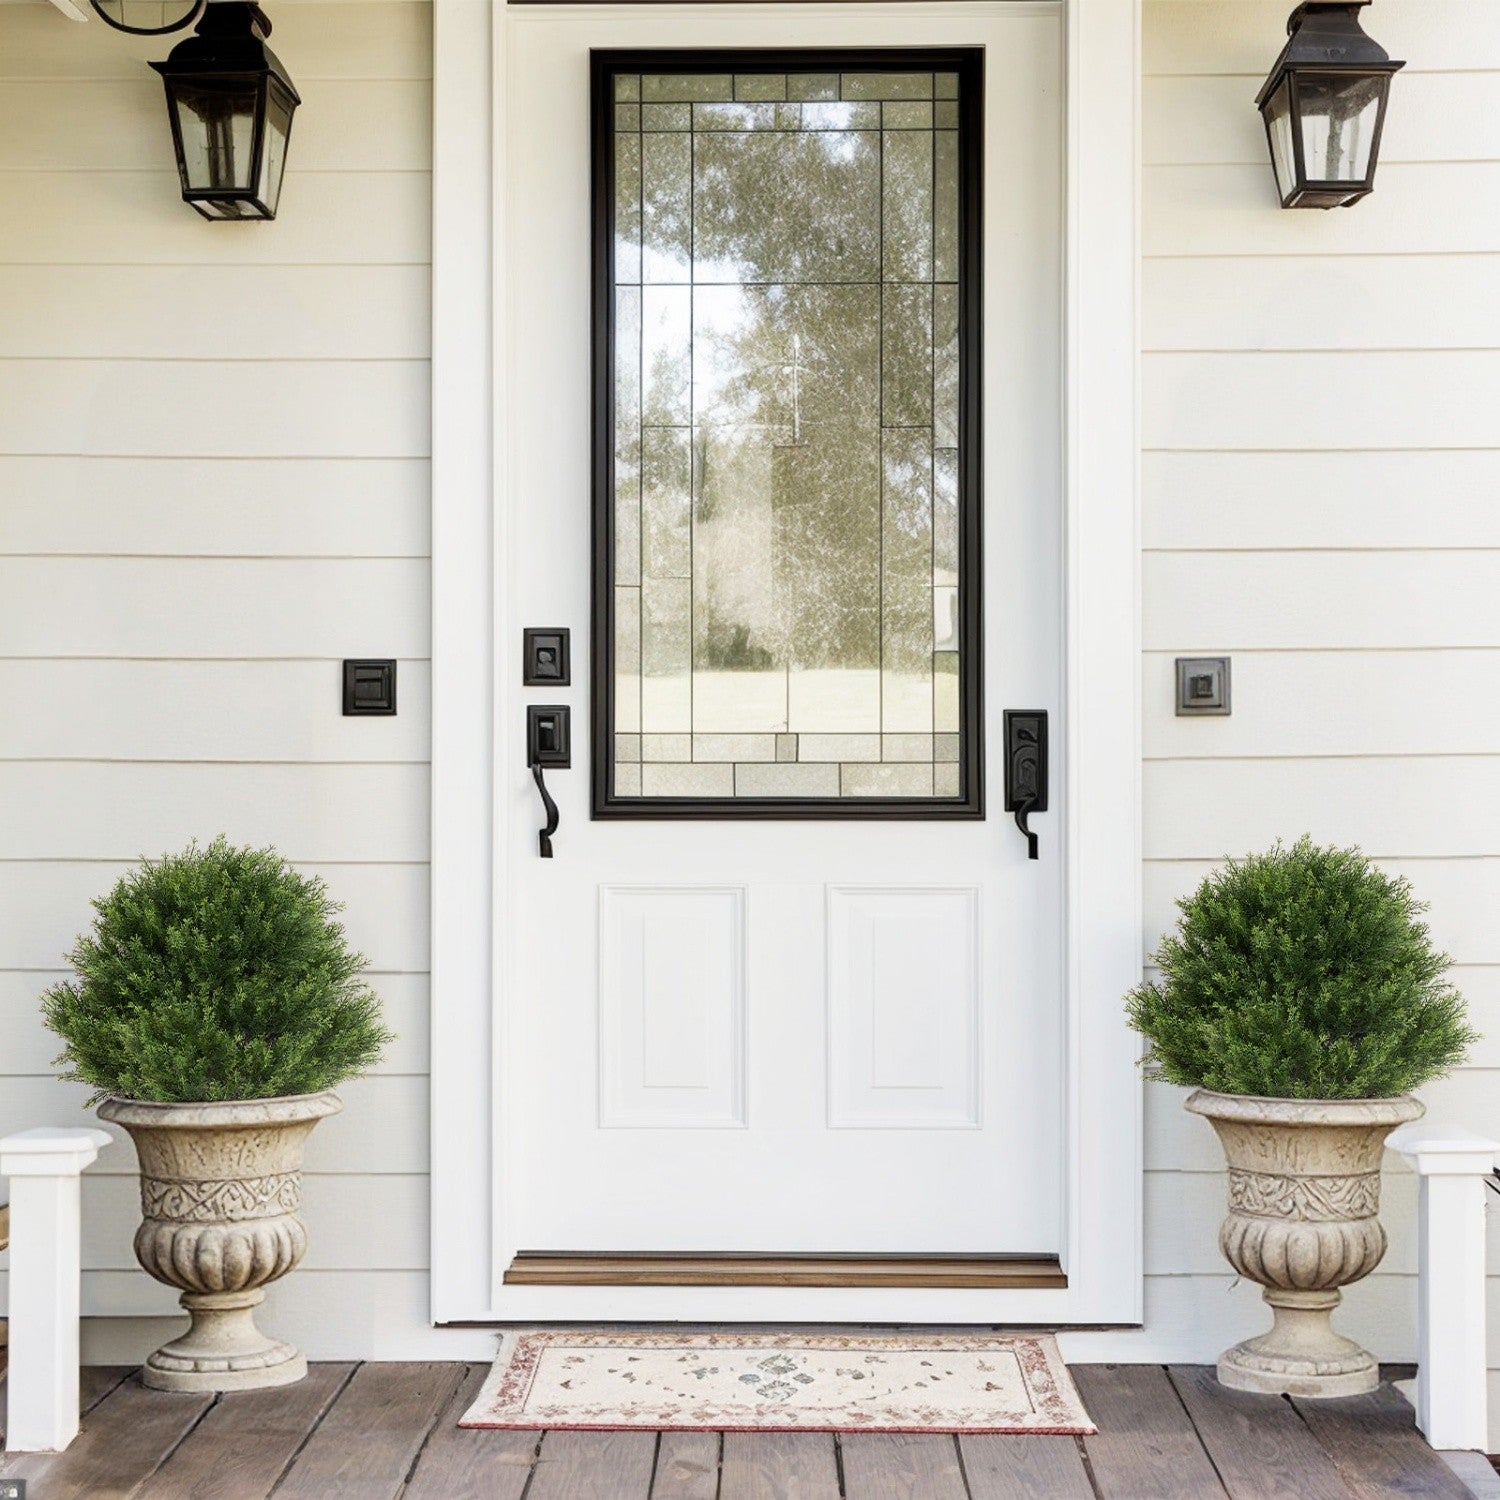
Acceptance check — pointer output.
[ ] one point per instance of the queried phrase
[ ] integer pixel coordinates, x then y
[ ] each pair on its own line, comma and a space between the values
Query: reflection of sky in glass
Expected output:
786, 530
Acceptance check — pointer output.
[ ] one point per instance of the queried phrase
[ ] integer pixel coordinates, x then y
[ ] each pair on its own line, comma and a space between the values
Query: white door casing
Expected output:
478, 1128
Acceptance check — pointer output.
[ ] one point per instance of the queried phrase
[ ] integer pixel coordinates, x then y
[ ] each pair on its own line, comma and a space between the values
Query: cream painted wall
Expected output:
1321, 466
213, 486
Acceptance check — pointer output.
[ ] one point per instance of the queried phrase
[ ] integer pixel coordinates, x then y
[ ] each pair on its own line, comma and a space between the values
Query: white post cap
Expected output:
1435, 1149
50, 1151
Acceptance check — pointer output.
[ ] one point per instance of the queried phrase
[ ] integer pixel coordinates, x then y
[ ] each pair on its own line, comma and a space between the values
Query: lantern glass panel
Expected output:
1339, 115
216, 125
279, 107
1278, 114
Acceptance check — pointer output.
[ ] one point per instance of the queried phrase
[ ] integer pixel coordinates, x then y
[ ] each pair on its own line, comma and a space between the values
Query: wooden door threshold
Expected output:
548, 1268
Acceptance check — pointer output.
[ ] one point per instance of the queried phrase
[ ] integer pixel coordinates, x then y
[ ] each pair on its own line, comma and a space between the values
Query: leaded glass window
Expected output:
786, 469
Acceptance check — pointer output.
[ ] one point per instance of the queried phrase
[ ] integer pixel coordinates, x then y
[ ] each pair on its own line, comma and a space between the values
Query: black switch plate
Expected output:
546, 658
369, 687
548, 736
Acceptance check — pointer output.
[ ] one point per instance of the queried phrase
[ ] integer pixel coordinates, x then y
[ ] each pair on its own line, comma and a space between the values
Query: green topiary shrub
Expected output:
1303, 973
215, 974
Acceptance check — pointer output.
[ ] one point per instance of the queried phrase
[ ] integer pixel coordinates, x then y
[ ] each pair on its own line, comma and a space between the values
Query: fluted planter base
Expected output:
1301, 1355
220, 1188
223, 1350
1303, 1221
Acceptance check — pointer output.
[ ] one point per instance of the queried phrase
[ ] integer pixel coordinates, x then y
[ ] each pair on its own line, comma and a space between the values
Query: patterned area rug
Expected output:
783, 1382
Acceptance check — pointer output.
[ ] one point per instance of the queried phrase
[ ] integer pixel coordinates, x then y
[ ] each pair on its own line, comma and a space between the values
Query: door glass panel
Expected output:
786, 598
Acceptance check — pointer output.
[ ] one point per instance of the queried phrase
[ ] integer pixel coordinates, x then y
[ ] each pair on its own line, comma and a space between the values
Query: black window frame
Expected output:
968, 63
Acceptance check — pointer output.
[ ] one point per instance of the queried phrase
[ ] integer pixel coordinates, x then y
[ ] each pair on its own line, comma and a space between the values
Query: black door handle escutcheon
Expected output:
1026, 768
548, 744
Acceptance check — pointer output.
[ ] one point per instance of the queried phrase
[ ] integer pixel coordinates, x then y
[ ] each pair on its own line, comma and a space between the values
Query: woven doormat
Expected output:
779, 1382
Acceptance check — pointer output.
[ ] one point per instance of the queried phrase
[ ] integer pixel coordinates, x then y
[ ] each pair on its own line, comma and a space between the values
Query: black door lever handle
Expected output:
544, 835
1026, 769
1023, 810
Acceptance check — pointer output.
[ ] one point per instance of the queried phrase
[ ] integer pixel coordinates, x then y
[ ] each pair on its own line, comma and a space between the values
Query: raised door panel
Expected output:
904, 1007
672, 1007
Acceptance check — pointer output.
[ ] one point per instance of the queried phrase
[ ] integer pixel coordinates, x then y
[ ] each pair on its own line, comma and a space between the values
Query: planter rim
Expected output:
1254, 1109
221, 1114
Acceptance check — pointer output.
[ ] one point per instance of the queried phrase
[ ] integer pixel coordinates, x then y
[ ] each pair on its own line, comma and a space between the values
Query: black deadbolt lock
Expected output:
546, 658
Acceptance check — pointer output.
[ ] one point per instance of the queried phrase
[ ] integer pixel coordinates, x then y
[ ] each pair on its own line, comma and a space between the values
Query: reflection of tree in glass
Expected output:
775, 205
786, 352
787, 517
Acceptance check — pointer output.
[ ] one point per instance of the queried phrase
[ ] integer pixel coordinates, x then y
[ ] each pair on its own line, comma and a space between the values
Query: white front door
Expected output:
781, 1034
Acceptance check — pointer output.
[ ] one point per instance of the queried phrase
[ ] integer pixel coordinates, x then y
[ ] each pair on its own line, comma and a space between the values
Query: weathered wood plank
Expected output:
95, 1382
466, 1463
901, 1466
779, 1466
1375, 1443
245, 1442
1145, 1446
1022, 1466
1261, 1448
123, 1442
364, 1447
687, 1466
571, 1465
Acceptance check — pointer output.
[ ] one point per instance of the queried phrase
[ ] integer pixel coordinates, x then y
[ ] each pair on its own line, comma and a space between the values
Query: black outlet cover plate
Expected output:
369, 686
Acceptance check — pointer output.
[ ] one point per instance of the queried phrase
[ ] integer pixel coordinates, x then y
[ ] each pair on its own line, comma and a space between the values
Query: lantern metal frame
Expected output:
228, 48
1325, 41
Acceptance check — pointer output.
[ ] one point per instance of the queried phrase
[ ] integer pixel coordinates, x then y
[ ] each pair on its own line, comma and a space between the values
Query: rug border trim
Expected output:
1010, 1431
511, 1336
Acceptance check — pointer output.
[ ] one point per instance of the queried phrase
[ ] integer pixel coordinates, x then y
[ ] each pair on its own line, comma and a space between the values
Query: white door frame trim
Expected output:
472, 689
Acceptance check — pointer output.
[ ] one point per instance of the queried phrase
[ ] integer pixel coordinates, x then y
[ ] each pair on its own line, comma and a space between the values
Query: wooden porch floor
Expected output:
387, 1432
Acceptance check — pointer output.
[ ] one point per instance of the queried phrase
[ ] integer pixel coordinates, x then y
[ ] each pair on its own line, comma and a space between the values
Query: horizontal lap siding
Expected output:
338, 508
214, 458
1321, 456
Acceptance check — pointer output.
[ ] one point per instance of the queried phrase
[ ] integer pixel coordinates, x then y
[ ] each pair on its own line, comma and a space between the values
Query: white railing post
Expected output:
1451, 1381
44, 1167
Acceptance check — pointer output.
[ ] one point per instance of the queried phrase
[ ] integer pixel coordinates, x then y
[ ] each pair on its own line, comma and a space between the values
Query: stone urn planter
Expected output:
220, 1188
1304, 1201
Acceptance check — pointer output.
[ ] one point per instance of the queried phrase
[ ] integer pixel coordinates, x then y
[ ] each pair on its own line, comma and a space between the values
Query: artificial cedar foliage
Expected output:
1302, 973
215, 974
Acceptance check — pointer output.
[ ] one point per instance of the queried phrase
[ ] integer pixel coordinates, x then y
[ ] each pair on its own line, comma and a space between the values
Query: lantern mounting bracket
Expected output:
196, 11
181, 23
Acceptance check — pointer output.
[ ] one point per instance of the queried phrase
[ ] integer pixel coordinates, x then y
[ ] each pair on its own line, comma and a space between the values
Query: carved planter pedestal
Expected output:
220, 1188
1304, 1199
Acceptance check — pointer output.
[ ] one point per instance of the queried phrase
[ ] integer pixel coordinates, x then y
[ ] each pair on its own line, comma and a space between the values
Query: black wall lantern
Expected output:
231, 104
229, 99
1324, 106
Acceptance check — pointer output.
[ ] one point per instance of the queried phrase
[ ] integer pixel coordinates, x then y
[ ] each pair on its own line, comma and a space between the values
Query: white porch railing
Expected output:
1453, 1165
44, 1167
